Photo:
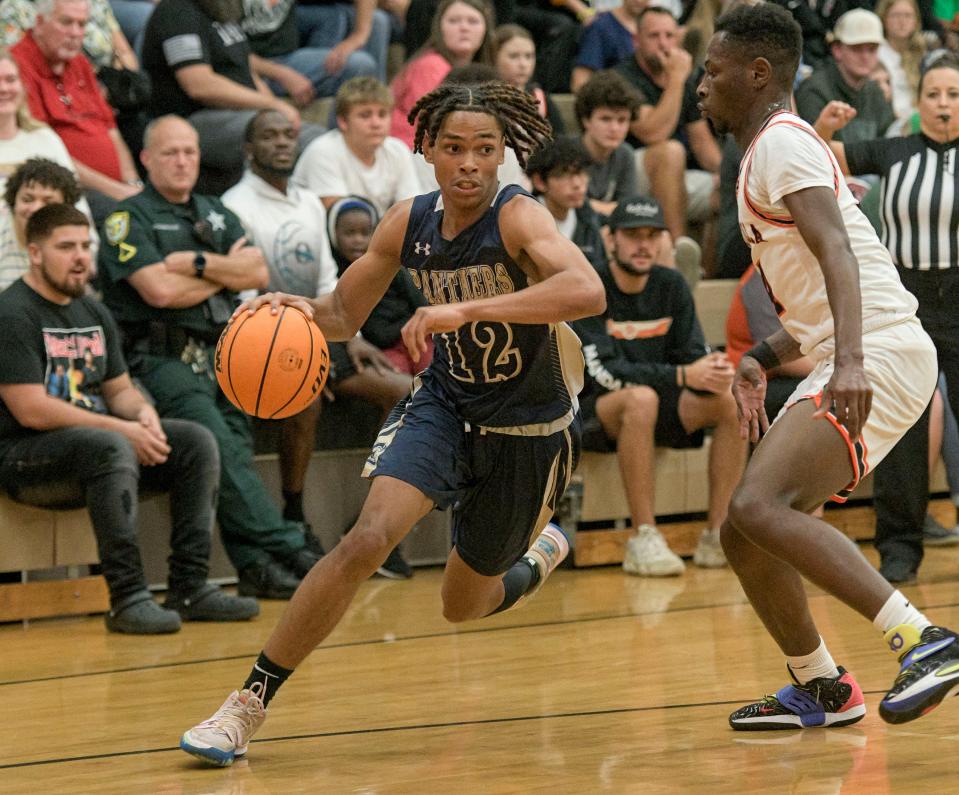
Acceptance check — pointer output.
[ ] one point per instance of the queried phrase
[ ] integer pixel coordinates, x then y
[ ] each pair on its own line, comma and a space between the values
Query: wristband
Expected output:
765, 355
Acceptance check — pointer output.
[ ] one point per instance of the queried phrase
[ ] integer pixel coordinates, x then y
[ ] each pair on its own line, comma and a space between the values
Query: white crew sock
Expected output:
811, 666
899, 610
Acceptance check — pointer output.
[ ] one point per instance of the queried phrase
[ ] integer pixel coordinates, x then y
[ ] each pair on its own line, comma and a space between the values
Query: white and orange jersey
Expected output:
787, 156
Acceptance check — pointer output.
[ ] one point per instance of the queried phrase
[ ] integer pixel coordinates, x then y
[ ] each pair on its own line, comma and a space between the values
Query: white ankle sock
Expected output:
811, 666
899, 610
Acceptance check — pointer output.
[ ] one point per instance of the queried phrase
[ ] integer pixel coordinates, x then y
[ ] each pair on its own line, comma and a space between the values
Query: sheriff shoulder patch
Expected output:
117, 227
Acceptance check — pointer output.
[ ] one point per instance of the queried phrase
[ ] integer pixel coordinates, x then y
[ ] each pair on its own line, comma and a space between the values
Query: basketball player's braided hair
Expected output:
515, 110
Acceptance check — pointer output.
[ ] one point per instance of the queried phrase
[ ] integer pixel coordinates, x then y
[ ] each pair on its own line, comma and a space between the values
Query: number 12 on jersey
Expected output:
499, 360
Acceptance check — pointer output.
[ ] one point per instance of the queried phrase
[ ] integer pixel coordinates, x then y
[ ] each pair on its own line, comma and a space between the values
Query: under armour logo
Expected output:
422, 248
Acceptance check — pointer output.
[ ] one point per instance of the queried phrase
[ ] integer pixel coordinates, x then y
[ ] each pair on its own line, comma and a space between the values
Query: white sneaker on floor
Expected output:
648, 555
225, 736
709, 551
549, 550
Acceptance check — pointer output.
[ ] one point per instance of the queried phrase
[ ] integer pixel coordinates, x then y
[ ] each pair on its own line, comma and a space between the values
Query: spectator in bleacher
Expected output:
345, 29
920, 179
461, 34
901, 52
132, 17
62, 91
300, 73
350, 222
607, 40
35, 184
359, 158
288, 223
652, 381
171, 263
514, 58
199, 60
661, 70
560, 176
54, 454
846, 77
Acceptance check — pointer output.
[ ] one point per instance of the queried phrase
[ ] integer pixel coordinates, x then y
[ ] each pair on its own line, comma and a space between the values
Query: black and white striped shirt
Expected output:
919, 200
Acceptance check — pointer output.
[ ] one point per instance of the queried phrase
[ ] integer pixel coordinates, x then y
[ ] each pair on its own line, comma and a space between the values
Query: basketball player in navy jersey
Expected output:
496, 408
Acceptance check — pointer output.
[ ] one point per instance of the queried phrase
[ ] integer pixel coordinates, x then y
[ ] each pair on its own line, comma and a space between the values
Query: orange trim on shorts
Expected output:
857, 451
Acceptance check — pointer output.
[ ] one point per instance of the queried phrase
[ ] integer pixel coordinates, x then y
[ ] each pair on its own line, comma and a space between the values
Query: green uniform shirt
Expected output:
142, 231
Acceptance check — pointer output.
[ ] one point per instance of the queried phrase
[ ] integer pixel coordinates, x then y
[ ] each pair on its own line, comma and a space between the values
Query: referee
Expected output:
920, 215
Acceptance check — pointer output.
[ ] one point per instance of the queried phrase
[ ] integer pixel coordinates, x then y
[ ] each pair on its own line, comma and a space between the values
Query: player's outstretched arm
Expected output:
563, 285
341, 313
819, 221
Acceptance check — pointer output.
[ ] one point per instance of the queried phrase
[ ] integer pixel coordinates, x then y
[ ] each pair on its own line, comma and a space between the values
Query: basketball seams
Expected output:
229, 372
306, 371
267, 359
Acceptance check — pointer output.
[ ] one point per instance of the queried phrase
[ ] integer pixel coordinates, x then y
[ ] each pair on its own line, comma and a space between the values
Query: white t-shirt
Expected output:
328, 168
43, 142
787, 156
290, 229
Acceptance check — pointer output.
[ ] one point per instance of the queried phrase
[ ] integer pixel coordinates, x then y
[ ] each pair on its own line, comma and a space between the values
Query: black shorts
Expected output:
669, 428
502, 488
341, 366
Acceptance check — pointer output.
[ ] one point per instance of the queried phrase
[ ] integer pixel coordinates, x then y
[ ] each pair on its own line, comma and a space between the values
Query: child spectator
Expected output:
560, 175
514, 57
35, 184
359, 158
351, 222
461, 34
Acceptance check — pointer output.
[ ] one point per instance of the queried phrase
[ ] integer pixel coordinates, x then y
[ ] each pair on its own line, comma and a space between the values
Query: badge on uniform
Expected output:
117, 227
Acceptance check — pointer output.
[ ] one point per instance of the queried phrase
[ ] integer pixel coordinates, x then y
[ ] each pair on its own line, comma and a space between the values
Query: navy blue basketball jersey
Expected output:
507, 377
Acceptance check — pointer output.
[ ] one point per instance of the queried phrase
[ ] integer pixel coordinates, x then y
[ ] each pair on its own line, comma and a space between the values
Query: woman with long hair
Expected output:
461, 34
902, 52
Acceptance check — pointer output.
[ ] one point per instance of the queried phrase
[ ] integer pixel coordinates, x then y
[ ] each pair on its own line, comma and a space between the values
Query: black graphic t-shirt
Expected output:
70, 349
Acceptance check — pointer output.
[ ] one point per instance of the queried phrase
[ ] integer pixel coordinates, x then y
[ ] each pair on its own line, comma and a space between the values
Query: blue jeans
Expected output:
326, 26
72, 467
309, 61
133, 16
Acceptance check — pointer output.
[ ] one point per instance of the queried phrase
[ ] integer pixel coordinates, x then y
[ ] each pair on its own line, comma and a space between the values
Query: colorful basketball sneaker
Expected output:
226, 734
827, 702
928, 672
549, 550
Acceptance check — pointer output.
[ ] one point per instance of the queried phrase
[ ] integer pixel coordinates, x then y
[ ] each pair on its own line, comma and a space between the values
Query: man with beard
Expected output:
171, 264
662, 72
652, 381
288, 223
54, 454
841, 303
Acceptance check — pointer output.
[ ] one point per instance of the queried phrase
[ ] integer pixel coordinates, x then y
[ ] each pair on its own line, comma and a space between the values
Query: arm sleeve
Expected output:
177, 29
865, 157
608, 368
22, 357
320, 171
686, 340
591, 48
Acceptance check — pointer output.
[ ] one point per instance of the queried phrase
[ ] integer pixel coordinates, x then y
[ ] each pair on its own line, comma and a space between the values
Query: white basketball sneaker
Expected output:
226, 734
648, 555
709, 551
549, 550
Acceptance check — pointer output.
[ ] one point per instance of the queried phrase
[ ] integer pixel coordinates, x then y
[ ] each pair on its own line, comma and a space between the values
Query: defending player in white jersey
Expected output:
841, 303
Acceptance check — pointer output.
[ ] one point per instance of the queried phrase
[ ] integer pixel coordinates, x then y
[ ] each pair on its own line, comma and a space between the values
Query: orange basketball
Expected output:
272, 366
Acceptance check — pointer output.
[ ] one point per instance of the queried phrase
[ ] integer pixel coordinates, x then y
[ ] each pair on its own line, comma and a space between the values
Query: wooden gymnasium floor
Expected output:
603, 683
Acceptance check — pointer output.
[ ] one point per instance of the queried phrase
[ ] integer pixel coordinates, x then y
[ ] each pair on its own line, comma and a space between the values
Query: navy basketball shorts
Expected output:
503, 488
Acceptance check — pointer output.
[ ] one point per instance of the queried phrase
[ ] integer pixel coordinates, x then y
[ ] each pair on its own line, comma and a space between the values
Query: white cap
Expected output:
858, 26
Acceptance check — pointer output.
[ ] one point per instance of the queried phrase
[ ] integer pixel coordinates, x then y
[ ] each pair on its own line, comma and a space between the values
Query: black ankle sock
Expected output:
293, 505
517, 582
265, 678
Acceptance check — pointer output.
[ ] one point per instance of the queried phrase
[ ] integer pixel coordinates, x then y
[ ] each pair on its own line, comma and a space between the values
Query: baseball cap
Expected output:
858, 26
637, 212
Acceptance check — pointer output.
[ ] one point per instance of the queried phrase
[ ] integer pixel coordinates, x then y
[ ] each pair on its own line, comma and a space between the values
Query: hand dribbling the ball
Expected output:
275, 300
429, 320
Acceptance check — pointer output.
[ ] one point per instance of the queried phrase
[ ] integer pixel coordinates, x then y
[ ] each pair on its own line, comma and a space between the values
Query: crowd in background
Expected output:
178, 128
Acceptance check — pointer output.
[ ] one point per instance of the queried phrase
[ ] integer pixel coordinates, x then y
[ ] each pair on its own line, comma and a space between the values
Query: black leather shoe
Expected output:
898, 571
270, 580
301, 561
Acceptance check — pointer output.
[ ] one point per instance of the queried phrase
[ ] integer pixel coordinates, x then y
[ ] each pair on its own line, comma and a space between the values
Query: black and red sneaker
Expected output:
827, 702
